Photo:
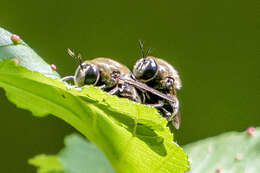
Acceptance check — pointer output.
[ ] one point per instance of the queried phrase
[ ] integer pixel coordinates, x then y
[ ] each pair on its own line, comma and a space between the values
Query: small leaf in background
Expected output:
47, 164
134, 137
233, 152
78, 156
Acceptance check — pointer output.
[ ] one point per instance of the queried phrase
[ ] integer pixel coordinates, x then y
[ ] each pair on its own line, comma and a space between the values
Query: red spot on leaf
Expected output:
250, 131
53, 67
16, 60
15, 38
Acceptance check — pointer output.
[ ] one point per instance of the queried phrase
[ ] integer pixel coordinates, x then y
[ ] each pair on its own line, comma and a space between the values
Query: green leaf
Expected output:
134, 137
47, 164
231, 152
78, 156
24, 54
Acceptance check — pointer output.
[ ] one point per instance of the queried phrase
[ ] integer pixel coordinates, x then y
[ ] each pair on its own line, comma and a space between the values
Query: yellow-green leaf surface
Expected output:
232, 152
133, 137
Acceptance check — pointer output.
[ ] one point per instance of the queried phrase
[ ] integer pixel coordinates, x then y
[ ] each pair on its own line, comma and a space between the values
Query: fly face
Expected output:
86, 74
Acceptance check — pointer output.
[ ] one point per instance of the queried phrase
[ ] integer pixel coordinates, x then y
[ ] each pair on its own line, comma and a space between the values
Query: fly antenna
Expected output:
77, 58
141, 46
148, 52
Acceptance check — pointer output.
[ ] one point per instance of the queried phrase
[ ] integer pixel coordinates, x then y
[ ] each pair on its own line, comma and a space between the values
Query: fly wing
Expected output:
176, 122
143, 86
172, 99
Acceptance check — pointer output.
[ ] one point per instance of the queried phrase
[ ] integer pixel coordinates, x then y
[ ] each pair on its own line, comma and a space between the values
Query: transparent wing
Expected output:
143, 86
176, 122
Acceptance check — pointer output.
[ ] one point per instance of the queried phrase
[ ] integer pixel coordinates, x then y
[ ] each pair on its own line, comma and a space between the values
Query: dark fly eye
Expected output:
149, 71
145, 69
91, 75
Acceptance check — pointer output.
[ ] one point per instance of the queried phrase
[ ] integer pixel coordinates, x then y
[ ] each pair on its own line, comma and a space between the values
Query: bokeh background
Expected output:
213, 45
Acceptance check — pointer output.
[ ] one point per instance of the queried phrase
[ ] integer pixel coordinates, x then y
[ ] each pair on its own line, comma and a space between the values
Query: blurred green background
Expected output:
213, 45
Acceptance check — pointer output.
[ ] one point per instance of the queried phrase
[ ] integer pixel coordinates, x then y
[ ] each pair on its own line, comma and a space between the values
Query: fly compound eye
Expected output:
91, 75
145, 69
86, 74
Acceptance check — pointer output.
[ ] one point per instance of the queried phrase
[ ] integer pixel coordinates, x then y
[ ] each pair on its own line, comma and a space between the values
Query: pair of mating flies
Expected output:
153, 82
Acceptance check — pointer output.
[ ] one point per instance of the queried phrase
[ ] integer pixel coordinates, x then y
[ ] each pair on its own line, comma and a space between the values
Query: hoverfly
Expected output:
160, 75
104, 73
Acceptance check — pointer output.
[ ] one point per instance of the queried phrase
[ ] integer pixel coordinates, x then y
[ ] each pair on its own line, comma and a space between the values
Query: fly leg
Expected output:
67, 78
145, 96
130, 92
102, 86
119, 88
170, 111
126, 91
160, 107
160, 104
114, 91
167, 114
115, 76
